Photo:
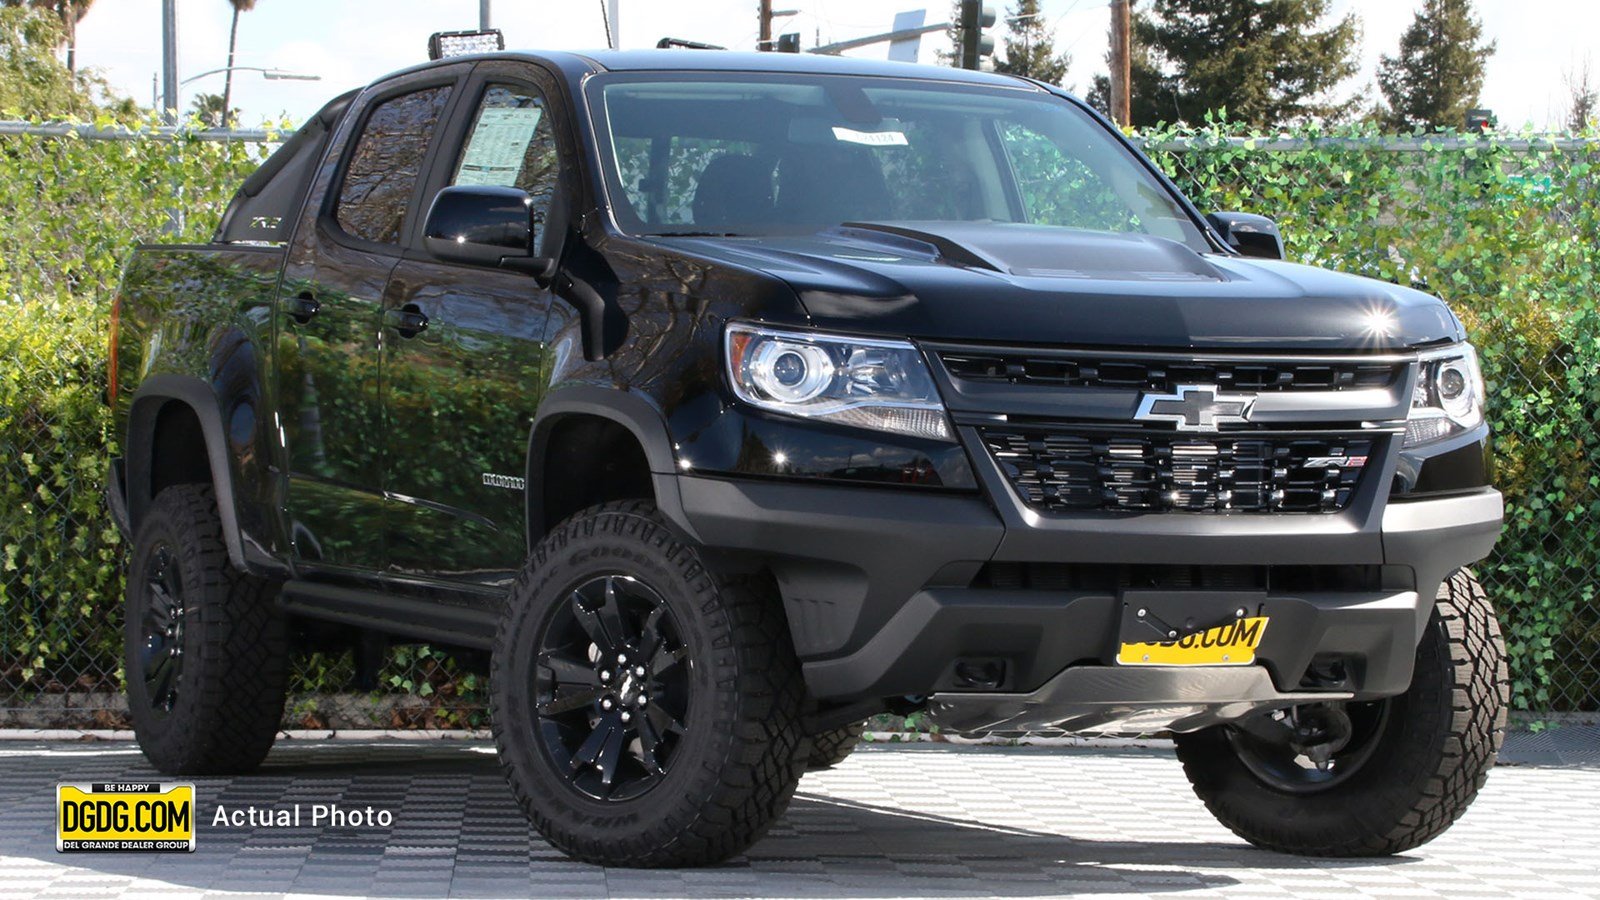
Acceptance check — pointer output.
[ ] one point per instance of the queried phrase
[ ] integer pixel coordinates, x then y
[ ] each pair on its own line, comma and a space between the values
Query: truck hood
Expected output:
1025, 284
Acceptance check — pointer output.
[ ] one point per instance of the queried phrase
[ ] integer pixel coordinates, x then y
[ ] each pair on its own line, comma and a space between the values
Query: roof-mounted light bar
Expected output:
670, 43
444, 44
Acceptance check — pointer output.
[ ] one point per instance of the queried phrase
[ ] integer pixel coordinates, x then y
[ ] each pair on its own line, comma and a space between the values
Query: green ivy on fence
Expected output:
1507, 229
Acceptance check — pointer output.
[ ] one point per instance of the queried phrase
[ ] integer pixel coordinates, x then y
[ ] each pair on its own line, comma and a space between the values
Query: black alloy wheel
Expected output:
161, 656
1313, 753
611, 689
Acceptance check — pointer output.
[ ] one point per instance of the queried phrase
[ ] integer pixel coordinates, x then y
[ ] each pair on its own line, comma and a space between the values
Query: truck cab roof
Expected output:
581, 62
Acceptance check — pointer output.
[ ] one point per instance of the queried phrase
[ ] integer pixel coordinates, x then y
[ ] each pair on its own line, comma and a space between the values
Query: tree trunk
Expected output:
227, 76
72, 40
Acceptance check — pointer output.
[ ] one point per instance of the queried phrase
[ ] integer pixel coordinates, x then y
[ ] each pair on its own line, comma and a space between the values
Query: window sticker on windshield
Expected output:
871, 138
498, 143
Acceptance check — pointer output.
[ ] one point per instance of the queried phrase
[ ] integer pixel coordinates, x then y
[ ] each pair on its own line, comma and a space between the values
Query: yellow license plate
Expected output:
150, 816
1233, 644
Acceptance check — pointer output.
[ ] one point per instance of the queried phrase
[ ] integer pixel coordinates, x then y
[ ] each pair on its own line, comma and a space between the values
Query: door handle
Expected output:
408, 320
303, 307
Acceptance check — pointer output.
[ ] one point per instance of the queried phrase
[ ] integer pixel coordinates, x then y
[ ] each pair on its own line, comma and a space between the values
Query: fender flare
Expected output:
632, 411
153, 394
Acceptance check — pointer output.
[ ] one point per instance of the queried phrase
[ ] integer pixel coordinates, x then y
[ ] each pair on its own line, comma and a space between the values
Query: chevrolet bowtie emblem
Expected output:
1196, 407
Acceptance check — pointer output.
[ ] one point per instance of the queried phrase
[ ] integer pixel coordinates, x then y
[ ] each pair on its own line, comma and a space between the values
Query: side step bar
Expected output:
462, 626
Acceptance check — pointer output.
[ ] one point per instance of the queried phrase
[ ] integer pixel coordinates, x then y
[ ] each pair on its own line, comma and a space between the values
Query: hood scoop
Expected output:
1037, 251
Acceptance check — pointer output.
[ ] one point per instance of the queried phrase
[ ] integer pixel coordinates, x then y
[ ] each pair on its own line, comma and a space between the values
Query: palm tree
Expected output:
208, 109
71, 12
239, 6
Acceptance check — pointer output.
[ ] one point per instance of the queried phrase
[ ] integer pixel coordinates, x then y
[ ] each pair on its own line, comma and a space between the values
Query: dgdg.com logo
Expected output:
150, 816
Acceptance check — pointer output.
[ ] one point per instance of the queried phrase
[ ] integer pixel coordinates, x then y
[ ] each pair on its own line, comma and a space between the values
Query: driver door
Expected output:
459, 394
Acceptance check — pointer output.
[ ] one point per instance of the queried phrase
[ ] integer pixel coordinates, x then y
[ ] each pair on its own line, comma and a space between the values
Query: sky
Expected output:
348, 43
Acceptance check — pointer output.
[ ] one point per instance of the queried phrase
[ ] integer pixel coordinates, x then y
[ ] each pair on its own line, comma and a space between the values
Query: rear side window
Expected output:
383, 170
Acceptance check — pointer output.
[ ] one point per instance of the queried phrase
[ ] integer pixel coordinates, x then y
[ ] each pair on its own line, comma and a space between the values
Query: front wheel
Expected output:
645, 709
830, 748
1373, 778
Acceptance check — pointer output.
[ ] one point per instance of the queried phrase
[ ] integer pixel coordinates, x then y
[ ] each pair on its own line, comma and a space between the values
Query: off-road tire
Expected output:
1437, 747
235, 645
744, 748
829, 748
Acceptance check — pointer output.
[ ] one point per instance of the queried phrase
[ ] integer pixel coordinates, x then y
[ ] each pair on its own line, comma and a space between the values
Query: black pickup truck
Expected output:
716, 402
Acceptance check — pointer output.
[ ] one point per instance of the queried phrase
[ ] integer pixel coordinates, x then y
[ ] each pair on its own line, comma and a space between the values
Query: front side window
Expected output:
383, 169
753, 154
512, 144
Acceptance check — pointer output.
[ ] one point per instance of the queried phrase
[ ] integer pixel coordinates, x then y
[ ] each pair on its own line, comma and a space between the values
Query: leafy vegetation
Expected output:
34, 83
69, 13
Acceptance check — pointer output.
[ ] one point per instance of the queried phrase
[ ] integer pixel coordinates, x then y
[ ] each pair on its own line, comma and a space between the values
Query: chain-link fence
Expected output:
1506, 230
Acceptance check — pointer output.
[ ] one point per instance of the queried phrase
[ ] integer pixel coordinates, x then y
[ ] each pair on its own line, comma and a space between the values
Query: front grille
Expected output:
1055, 472
1157, 374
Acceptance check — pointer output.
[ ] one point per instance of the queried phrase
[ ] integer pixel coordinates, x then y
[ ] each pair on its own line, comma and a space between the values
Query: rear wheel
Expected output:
646, 710
1372, 778
207, 650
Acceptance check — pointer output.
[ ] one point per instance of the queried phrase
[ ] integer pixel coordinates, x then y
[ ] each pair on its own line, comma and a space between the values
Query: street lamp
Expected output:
270, 74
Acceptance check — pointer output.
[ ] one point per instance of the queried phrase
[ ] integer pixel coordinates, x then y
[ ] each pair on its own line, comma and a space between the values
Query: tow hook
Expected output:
1320, 731
1316, 731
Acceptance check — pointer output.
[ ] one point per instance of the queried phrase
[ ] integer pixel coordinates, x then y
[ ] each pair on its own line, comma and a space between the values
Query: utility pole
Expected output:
169, 60
615, 7
483, 15
764, 37
1121, 61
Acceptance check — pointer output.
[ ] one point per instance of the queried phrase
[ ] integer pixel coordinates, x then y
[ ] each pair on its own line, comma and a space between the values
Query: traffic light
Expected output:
975, 45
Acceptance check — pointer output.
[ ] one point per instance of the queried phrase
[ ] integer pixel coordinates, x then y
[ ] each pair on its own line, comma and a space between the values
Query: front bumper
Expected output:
884, 589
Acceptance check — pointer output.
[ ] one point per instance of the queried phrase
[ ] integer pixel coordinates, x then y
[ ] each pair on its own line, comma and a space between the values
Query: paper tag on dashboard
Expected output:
871, 138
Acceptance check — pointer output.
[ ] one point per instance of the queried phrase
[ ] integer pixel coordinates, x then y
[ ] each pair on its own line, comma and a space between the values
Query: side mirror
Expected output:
484, 225
1251, 235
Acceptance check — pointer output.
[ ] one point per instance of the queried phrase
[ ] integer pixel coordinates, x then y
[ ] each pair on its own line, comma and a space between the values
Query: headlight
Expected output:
865, 383
1448, 398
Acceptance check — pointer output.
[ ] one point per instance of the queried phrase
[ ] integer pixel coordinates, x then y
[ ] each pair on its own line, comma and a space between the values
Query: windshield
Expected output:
752, 154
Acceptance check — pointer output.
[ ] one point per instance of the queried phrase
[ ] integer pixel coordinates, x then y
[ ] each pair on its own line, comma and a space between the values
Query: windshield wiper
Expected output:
692, 234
